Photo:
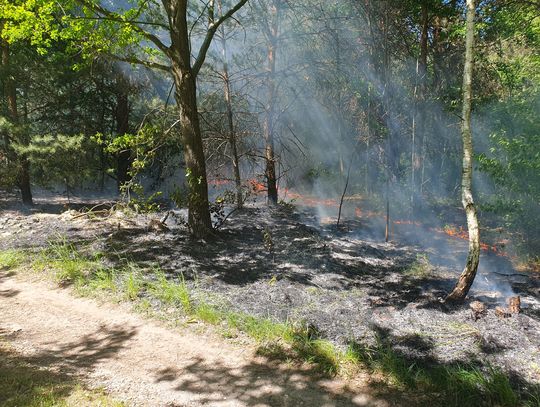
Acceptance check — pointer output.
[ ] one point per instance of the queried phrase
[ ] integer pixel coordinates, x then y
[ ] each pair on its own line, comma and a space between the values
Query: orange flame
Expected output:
256, 186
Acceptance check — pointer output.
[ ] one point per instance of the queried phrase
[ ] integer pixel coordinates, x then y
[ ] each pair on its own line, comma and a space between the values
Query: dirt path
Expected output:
147, 364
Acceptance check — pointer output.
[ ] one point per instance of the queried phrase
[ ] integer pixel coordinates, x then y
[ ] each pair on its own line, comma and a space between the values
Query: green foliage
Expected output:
44, 22
321, 353
170, 292
11, 259
64, 159
103, 279
66, 263
513, 163
133, 283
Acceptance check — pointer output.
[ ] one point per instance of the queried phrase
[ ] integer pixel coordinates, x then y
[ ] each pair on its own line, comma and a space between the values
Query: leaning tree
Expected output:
466, 279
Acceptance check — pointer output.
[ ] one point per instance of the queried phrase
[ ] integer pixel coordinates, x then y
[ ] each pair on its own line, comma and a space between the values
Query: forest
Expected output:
270, 203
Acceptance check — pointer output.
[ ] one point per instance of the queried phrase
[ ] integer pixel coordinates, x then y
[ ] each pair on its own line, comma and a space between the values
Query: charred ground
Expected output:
275, 263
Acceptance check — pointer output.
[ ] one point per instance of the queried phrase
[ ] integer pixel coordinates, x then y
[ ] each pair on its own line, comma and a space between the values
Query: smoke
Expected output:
351, 115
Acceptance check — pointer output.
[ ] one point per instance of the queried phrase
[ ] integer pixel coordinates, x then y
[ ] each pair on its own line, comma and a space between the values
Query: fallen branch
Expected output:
510, 274
91, 212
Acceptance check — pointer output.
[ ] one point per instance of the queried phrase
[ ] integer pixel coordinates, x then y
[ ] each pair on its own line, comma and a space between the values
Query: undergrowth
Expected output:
11, 259
448, 385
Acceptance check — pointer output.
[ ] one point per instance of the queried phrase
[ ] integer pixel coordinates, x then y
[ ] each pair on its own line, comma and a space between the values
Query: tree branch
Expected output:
210, 35
137, 61
98, 9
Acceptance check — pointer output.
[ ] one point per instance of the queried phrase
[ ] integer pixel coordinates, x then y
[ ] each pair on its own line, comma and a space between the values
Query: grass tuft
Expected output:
172, 293
65, 262
133, 283
11, 259
453, 385
209, 314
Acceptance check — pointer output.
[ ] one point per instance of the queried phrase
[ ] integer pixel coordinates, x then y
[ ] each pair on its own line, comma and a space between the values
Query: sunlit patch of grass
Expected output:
319, 352
260, 329
11, 259
451, 385
23, 384
420, 268
207, 313
103, 279
172, 293
133, 283
65, 262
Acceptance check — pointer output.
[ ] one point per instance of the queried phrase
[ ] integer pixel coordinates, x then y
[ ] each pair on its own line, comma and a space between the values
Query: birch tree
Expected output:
469, 272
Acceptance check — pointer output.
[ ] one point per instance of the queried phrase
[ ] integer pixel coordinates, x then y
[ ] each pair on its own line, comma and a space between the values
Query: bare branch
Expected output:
210, 35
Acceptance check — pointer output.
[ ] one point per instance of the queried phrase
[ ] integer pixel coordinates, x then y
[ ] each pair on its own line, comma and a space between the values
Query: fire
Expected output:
451, 231
256, 186
310, 200
407, 222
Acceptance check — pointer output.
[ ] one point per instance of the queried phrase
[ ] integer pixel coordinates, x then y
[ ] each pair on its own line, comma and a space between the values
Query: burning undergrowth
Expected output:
346, 284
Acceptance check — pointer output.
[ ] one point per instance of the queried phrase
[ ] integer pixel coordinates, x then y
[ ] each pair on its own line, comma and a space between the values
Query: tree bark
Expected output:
10, 90
123, 159
198, 205
418, 125
466, 279
184, 77
230, 120
271, 179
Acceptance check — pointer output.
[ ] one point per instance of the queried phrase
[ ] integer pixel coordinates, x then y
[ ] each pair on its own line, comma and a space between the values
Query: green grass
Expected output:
132, 283
11, 259
170, 292
25, 384
103, 279
420, 268
446, 385
66, 264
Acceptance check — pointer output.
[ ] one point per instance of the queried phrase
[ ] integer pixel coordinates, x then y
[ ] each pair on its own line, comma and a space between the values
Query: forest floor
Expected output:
283, 265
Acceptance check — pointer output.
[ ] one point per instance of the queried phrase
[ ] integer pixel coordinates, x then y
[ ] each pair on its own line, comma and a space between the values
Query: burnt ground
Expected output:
350, 288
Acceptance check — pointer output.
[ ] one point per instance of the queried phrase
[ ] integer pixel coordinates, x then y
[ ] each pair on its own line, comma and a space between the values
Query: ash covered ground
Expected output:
281, 263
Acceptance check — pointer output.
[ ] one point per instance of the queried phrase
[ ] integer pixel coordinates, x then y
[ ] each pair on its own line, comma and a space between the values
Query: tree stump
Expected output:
514, 305
478, 309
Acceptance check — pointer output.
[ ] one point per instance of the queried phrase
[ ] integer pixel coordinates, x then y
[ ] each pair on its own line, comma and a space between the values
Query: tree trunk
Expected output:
418, 125
10, 89
467, 276
230, 121
185, 82
123, 159
198, 206
271, 179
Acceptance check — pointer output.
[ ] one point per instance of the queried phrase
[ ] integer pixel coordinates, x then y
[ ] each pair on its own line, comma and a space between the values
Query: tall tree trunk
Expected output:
10, 89
198, 206
123, 159
185, 81
271, 179
230, 119
467, 276
418, 126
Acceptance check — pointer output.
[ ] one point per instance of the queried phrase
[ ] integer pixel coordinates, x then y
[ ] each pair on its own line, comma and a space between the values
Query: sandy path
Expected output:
147, 364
